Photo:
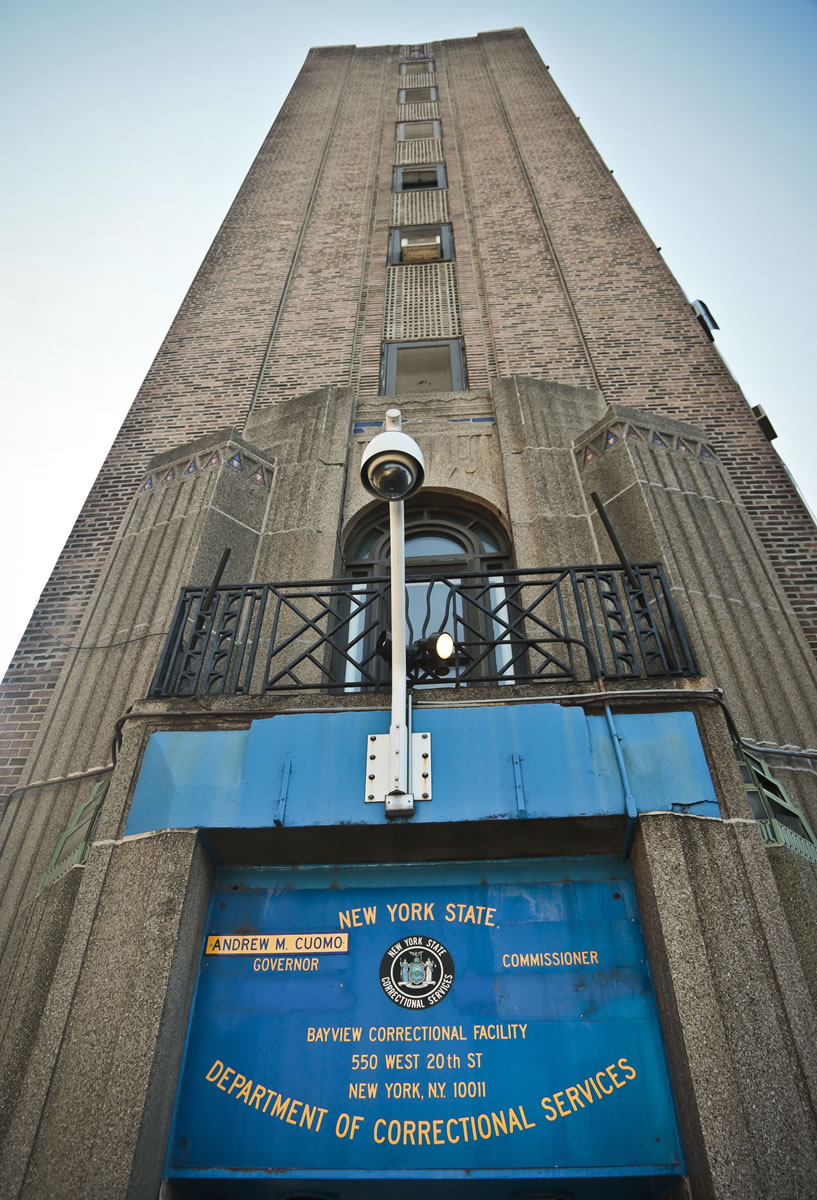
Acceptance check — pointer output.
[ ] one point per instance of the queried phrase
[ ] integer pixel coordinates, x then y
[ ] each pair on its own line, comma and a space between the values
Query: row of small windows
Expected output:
421, 365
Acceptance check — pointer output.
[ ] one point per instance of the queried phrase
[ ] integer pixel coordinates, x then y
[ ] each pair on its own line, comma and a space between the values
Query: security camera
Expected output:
392, 467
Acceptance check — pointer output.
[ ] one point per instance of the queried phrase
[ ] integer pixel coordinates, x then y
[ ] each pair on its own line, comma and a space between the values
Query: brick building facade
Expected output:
584, 371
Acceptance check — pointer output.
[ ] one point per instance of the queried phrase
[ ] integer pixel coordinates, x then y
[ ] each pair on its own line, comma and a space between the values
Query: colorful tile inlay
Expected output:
235, 461
191, 468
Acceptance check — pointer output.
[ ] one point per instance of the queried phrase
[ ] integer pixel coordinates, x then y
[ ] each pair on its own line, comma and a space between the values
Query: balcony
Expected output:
510, 627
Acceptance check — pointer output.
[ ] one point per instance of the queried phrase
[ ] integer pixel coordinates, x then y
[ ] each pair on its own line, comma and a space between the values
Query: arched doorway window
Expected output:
464, 546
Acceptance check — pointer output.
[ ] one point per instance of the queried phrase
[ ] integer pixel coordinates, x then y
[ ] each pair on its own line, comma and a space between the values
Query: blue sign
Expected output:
489, 1018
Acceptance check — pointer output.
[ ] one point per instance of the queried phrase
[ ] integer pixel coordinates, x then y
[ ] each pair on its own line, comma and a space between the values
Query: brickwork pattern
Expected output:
428, 111
421, 302
646, 346
419, 208
202, 379
530, 315
556, 278
314, 341
418, 150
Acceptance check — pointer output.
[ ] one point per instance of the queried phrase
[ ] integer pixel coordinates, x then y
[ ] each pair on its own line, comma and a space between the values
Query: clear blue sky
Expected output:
129, 127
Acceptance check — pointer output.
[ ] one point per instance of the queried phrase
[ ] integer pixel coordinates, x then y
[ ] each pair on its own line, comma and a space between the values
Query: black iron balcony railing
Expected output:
509, 627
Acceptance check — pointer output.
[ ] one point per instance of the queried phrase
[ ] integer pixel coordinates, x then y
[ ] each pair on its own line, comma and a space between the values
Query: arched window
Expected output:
469, 550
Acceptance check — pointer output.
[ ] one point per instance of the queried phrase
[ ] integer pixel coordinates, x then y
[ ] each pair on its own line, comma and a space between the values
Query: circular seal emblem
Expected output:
416, 972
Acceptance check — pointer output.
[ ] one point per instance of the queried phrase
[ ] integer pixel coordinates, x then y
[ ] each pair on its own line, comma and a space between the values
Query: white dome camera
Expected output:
392, 467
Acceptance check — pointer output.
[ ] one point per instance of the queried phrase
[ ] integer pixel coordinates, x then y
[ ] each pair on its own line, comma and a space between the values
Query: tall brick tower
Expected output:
602, 893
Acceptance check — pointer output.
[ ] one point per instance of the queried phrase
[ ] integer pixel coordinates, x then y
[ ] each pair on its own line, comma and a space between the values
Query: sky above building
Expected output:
129, 129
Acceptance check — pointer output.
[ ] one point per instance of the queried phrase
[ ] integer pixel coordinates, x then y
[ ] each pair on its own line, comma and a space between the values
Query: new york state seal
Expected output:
416, 972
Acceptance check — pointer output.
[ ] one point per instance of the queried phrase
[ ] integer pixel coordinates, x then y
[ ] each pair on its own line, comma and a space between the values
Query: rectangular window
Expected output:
417, 367
418, 67
408, 130
417, 95
416, 179
421, 243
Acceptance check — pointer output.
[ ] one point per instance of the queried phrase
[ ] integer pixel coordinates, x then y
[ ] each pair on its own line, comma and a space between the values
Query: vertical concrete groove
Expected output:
541, 217
755, 627
126, 559
721, 646
296, 252
65, 1021
368, 249
480, 290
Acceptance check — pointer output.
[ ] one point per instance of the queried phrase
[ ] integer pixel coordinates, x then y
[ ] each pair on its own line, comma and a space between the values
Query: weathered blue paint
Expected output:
589, 1026
308, 769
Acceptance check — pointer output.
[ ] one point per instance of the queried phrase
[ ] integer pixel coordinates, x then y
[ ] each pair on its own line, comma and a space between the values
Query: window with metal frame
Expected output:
419, 178
780, 821
418, 67
420, 243
416, 95
423, 366
446, 540
408, 131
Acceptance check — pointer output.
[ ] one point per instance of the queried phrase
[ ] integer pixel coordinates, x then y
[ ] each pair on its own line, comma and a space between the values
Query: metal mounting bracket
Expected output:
377, 772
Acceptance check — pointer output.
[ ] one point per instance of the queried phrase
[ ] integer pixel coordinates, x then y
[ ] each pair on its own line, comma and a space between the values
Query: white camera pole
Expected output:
399, 732
392, 469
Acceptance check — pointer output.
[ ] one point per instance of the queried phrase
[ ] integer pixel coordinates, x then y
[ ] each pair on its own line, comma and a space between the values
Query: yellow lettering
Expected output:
611, 1071
379, 1140
550, 1112
244, 1094
572, 1094
256, 1096
607, 1091
626, 1068
234, 1084
565, 1112
227, 1071
218, 1067
279, 1108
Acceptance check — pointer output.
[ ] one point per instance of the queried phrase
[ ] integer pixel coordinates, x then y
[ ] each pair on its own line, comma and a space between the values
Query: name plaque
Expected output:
470, 1017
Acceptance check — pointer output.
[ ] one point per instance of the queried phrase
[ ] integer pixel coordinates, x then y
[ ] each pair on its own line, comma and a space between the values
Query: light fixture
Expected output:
428, 656
444, 646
